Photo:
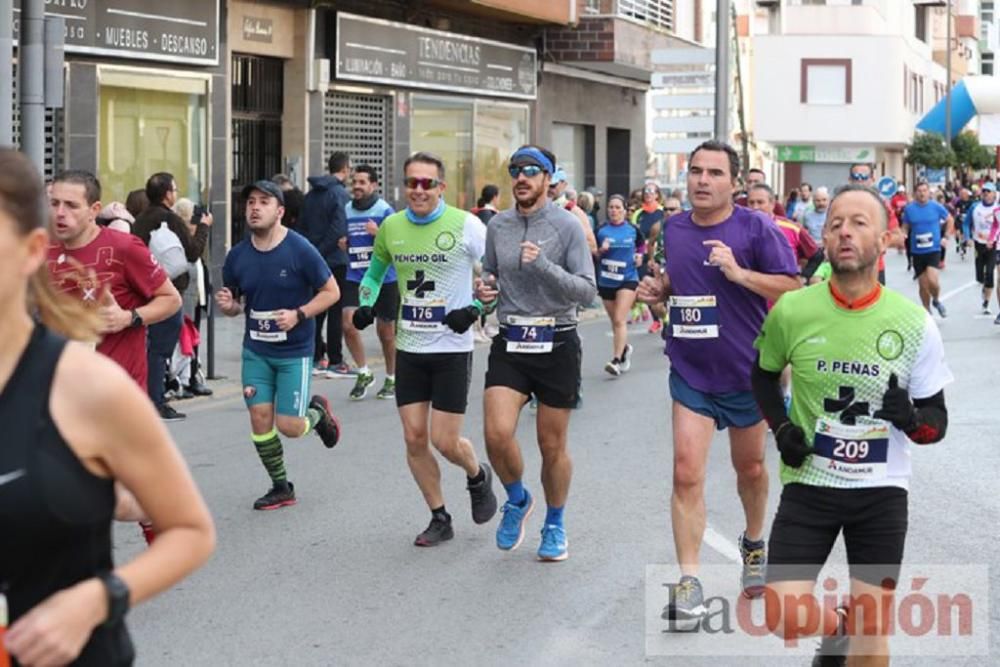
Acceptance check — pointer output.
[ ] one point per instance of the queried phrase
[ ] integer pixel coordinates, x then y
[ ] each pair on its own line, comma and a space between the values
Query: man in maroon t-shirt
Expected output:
113, 270
757, 177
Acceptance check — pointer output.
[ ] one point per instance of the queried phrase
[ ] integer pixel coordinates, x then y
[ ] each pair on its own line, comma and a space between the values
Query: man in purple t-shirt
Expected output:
723, 264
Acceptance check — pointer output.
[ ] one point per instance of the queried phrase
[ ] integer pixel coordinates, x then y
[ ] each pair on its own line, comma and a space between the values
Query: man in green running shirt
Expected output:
869, 374
433, 248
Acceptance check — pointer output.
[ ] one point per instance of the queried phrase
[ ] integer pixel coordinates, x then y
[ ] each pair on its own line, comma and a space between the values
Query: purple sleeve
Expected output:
772, 252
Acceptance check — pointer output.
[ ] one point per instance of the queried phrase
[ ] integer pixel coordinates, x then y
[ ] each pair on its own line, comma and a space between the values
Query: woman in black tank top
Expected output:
73, 424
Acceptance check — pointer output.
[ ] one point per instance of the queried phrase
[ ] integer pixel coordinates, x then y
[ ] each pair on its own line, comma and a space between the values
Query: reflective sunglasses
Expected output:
672, 209
529, 170
855, 176
423, 183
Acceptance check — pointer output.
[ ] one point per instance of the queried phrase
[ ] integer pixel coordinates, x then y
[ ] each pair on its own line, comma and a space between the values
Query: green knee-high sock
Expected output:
313, 417
270, 452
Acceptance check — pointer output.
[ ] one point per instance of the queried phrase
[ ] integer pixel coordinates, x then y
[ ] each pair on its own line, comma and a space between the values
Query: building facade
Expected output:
841, 81
595, 76
459, 79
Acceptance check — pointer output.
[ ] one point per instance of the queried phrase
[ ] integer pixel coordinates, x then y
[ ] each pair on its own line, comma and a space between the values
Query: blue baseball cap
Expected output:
989, 187
558, 176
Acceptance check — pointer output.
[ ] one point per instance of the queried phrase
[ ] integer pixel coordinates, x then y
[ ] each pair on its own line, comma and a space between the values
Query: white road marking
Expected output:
958, 290
724, 546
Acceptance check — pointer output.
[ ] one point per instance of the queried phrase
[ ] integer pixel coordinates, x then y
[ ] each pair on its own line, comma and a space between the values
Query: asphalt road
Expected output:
335, 580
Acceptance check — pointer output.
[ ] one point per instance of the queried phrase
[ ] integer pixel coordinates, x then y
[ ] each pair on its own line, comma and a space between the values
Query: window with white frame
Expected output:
826, 81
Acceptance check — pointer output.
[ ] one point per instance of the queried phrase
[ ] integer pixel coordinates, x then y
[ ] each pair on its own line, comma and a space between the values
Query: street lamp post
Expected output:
947, 66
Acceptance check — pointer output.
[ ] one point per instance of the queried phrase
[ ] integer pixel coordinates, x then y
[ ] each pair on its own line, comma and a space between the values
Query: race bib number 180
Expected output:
694, 317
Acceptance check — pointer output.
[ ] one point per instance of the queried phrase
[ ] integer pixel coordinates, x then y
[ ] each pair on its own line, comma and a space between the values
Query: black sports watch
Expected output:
300, 315
136, 319
118, 598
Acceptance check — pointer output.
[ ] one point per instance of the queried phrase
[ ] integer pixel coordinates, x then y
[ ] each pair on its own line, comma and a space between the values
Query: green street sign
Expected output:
796, 153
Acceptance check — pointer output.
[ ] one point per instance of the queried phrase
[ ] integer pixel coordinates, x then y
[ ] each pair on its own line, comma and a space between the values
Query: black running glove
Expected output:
363, 317
460, 320
897, 408
792, 444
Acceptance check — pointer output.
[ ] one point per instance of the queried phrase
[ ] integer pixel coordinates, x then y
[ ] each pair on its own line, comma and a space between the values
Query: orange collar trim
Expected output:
866, 301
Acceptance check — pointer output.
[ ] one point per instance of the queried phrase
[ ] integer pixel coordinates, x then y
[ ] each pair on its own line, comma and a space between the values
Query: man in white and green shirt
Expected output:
868, 373
433, 248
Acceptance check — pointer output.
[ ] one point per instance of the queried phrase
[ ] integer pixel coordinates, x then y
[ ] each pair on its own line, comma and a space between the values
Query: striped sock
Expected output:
271, 455
313, 417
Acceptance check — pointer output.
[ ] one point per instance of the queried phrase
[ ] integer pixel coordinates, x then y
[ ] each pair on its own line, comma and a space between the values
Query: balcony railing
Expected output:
654, 13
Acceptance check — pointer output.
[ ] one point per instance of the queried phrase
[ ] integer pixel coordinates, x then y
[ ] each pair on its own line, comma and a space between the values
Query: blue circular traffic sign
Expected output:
887, 186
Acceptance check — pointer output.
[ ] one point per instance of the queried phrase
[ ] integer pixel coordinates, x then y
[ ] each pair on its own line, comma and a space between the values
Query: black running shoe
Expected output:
484, 501
437, 532
168, 414
686, 606
281, 494
832, 651
752, 577
328, 428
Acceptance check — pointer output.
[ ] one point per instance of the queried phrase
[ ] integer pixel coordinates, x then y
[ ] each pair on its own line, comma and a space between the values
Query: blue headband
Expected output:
535, 155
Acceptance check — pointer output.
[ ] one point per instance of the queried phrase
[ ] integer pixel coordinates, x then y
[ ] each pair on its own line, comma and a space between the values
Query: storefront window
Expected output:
444, 127
500, 129
473, 138
145, 131
569, 143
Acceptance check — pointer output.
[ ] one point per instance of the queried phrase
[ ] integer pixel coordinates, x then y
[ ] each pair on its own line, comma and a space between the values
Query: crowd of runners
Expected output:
771, 323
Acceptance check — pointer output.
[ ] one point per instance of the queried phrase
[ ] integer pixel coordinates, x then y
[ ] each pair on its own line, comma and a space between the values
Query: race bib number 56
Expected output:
264, 328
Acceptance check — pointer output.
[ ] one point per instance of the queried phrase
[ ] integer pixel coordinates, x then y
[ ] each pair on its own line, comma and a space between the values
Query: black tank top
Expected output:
55, 516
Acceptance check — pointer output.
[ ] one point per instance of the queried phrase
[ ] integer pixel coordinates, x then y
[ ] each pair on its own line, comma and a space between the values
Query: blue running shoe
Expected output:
510, 532
554, 546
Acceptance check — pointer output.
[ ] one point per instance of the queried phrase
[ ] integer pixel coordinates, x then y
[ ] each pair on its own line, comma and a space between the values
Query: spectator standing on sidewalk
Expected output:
161, 190
323, 221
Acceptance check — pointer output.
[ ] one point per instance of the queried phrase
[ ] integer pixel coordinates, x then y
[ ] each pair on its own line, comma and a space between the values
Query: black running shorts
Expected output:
553, 377
986, 264
611, 293
386, 306
440, 378
810, 518
921, 263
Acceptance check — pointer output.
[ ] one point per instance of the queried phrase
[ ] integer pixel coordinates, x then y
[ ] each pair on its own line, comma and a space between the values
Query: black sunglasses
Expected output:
529, 170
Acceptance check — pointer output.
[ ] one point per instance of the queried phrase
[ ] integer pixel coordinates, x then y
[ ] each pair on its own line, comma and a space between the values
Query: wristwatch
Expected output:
300, 315
136, 319
118, 598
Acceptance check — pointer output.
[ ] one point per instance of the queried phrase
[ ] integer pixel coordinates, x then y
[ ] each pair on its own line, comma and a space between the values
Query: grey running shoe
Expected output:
613, 367
942, 311
686, 606
754, 564
484, 501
